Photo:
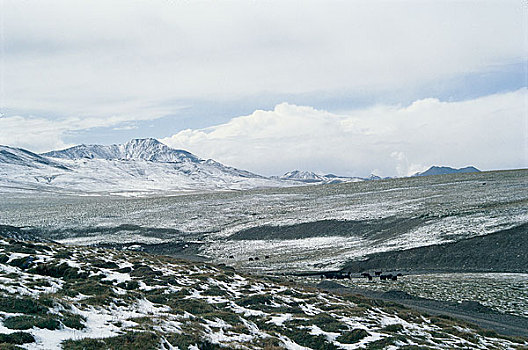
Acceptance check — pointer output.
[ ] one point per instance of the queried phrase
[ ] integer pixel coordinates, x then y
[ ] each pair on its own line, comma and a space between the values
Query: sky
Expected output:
344, 87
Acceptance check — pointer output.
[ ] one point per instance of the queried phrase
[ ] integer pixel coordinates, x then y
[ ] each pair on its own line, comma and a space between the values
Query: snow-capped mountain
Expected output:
137, 149
311, 177
444, 170
22, 157
304, 176
139, 166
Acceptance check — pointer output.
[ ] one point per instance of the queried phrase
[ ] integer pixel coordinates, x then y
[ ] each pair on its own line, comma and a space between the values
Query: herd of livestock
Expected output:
377, 274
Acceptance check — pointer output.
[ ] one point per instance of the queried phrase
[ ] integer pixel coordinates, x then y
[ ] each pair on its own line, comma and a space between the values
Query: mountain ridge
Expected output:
445, 170
311, 177
146, 165
136, 149
138, 167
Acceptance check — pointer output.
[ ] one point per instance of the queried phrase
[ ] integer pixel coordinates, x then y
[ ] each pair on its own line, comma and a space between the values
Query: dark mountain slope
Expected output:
502, 251
445, 170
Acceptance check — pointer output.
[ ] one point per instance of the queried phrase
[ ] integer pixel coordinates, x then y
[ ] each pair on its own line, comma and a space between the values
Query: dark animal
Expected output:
256, 258
377, 273
394, 278
231, 256
267, 257
383, 277
250, 259
369, 277
400, 275
335, 275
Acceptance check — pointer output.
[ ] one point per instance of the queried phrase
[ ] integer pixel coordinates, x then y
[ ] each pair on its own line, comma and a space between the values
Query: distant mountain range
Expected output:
311, 177
444, 170
137, 167
143, 166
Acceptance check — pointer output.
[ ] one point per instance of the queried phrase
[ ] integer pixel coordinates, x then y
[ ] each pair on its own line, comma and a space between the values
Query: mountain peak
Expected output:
148, 149
149, 141
302, 175
444, 170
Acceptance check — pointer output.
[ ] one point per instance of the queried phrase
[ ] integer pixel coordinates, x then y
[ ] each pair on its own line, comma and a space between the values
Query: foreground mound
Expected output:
54, 296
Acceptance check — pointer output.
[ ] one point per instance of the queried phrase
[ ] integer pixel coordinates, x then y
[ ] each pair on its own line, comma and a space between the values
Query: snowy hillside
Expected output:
137, 167
54, 296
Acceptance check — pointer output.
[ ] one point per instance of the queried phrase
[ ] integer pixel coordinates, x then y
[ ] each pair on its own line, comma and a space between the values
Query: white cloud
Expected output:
92, 58
43, 134
488, 132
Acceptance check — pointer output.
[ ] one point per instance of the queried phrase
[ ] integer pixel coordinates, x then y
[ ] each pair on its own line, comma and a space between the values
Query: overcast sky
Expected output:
349, 87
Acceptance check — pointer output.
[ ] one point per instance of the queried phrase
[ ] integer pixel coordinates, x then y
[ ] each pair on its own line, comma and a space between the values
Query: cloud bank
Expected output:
488, 132
92, 58
40, 134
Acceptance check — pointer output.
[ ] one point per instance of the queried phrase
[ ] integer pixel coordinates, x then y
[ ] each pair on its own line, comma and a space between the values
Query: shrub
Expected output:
23, 305
74, 321
22, 247
63, 254
105, 264
145, 271
58, 271
128, 341
124, 269
22, 263
17, 338
311, 341
352, 336
193, 306
252, 300
27, 322
129, 285
393, 328
328, 323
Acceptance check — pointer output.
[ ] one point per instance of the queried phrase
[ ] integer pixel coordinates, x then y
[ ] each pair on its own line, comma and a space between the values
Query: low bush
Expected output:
129, 285
352, 336
393, 328
28, 322
22, 305
128, 341
327, 323
62, 270
104, 264
74, 321
17, 338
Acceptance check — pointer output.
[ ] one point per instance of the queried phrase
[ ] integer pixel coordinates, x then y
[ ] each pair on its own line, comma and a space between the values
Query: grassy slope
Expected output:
54, 296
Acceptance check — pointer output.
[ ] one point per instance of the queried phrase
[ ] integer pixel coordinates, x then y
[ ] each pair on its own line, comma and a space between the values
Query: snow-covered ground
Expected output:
441, 209
76, 297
